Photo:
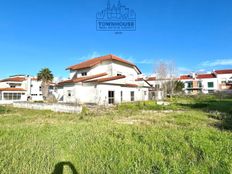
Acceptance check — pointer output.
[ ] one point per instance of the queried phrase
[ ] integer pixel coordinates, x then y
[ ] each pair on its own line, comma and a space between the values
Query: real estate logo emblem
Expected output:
116, 17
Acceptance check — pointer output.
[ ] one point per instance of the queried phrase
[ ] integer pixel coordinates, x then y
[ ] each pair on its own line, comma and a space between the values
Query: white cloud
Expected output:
89, 56
146, 61
217, 62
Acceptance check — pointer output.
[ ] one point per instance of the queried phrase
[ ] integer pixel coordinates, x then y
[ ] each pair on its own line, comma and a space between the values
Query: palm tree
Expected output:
46, 76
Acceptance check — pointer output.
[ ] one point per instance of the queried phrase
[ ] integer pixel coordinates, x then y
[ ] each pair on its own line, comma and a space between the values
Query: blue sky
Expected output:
196, 34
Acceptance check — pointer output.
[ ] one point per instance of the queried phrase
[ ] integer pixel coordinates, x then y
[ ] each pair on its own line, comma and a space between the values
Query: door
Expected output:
111, 97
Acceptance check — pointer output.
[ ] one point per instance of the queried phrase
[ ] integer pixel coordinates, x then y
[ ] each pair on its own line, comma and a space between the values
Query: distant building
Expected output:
20, 88
218, 80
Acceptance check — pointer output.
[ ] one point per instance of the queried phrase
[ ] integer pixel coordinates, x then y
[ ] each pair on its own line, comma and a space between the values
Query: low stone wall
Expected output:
6, 102
45, 106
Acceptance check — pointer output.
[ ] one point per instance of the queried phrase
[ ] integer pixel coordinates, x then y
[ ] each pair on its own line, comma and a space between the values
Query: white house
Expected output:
218, 80
103, 80
20, 88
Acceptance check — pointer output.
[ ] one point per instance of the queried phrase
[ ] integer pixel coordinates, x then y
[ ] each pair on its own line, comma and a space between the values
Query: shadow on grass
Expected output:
220, 110
59, 167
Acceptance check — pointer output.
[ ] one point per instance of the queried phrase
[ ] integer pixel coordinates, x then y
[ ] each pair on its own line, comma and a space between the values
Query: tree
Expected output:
166, 74
179, 86
45, 75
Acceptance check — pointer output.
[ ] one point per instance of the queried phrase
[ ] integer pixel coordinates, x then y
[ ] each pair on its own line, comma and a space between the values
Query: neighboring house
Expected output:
224, 78
218, 80
20, 88
103, 80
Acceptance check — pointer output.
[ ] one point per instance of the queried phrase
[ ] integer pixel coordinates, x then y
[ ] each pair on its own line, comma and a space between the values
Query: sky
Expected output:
195, 34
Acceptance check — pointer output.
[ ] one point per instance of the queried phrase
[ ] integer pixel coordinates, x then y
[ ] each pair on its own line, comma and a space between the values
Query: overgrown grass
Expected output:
124, 140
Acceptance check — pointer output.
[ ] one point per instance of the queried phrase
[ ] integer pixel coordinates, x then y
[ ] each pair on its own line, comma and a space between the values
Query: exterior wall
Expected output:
112, 68
140, 94
31, 87
3, 100
98, 94
46, 106
221, 79
195, 89
35, 90
105, 66
68, 90
205, 88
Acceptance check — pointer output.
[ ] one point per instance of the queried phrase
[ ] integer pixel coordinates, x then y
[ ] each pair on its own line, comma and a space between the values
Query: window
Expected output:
157, 86
210, 84
119, 73
199, 84
111, 97
12, 86
31, 85
40, 88
230, 80
132, 96
223, 81
84, 73
69, 93
189, 84
12, 96
121, 96
145, 92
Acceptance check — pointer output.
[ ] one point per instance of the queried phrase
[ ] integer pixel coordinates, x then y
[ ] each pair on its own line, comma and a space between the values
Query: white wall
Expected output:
35, 92
98, 93
102, 91
109, 67
205, 87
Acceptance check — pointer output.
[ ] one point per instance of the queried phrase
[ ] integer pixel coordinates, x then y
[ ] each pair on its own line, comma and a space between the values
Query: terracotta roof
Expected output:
92, 62
82, 79
151, 78
139, 79
225, 71
107, 79
14, 79
183, 77
12, 89
34, 78
205, 76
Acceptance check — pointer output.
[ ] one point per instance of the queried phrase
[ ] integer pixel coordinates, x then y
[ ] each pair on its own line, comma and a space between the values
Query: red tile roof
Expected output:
139, 79
205, 76
92, 62
225, 71
183, 77
34, 78
107, 79
82, 79
14, 79
12, 89
151, 78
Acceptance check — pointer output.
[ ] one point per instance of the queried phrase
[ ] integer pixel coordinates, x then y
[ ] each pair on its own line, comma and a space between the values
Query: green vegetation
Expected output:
194, 136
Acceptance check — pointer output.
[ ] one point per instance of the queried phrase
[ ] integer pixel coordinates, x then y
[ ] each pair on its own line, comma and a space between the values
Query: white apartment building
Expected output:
218, 80
20, 88
103, 80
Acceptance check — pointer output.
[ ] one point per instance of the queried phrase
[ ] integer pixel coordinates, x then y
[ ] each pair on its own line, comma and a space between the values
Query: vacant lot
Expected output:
192, 135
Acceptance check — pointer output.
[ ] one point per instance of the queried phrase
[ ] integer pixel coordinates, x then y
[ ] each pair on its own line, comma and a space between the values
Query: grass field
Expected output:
192, 135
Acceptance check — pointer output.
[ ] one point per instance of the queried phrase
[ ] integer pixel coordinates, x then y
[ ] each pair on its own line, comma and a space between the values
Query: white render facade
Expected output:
20, 88
104, 80
218, 80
